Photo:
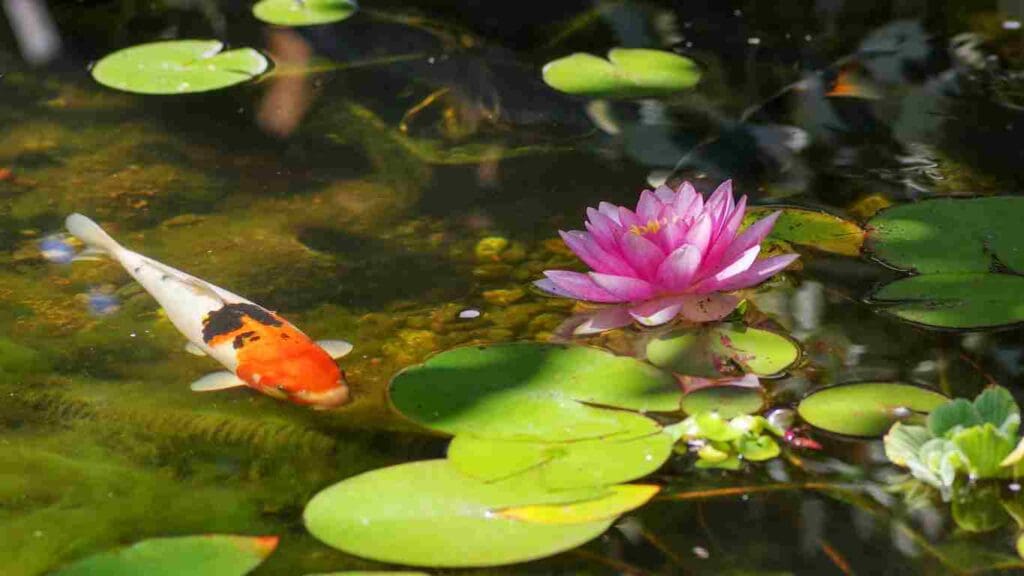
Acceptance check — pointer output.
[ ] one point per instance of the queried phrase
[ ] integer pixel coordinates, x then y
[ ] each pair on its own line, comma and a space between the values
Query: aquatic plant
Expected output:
208, 555
725, 443
178, 67
627, 73
961, 438
675, 255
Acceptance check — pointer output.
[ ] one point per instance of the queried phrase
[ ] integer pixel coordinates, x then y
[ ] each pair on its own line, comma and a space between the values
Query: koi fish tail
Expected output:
90, 232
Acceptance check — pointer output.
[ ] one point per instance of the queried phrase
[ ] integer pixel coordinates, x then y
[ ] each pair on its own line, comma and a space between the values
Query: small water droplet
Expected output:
701, 552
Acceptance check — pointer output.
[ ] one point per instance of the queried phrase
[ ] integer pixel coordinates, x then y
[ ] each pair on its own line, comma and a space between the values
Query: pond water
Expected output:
398, 179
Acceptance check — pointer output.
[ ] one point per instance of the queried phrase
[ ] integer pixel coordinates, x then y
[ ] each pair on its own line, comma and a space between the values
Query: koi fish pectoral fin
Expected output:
217, 381
336, 348
195, 350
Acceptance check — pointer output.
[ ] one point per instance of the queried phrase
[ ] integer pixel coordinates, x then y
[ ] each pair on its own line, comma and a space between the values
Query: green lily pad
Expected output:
867, 408
303, 12
727, 401
211, 555
621, 499
723, 350
561, 465
532, 391
962, 301
627, 73
946, 235
811, 228
428, 514
178, 67
371, 573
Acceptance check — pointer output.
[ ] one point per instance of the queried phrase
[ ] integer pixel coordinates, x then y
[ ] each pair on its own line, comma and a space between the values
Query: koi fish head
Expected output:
276, 358
310, 378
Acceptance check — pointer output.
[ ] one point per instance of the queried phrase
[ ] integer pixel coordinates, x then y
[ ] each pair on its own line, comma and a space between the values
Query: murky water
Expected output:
408, 165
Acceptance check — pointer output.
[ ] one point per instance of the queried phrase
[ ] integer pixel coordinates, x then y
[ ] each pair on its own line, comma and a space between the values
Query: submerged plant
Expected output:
675, 255
962, 438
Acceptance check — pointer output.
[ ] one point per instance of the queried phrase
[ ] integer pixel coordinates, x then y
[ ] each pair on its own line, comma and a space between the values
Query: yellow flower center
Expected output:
651, 227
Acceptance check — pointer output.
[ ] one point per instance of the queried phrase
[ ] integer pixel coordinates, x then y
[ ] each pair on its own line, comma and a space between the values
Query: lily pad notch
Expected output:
179, 67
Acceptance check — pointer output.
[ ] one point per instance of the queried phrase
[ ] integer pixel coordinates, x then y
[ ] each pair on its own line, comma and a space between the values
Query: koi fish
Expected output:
259, 348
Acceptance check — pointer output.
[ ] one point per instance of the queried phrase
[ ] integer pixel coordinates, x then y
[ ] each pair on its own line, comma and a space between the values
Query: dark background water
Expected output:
352, 199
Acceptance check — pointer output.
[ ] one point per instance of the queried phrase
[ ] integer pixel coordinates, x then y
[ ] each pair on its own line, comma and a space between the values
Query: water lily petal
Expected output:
751, 236
677, 271
689, 204
658, 311
648, 208
727, 234
699, 235
604, 319
720, 197
628, 218
576, 285
642, 255
593, 255
604, 230
610, 210
758, 272
623, 288
708, 307
665, 194
737, 266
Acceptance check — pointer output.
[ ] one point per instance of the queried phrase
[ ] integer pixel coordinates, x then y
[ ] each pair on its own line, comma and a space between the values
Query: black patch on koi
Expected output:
230, 318
240, 340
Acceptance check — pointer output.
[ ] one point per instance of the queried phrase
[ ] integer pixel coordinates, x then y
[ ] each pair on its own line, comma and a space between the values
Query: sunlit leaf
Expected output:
303, 12
866, 408
950, 235
713, 426
531, 391
903, 443
984, 448
627, 73
758, 448
178, 67
428, 514
996, 406
966, 301
721, 349
371, 573
621, 499
211, 555
811, 228
564, 464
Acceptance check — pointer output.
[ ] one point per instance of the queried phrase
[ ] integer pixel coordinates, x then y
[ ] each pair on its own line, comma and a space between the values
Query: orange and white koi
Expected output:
259, 348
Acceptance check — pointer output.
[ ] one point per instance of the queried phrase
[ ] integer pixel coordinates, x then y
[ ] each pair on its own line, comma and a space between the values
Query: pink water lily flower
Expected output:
676, 255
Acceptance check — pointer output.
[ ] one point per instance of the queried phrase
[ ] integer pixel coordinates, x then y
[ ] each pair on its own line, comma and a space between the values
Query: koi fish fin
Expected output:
216, 381
193, 349
90, 254
336, 348
90, 232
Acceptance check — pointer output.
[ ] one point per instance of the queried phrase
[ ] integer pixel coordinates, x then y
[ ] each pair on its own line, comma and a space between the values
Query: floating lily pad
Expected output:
627, 73
564, 464
950, 235
622, 499
212, 555
867, 408
962, 301
722, 350
531, 391
428, 514
728, 401
372, 573
178, 67
811, 228
303, 12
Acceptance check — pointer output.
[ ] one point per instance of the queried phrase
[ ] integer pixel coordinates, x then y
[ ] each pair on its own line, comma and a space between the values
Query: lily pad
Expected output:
211, 555
728, 401
178, 67
811, 228
532, 391
950, 235
627, 73
561, 465
303, 12
961, 301
622, 499
867, 409
722, 350
428, 514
